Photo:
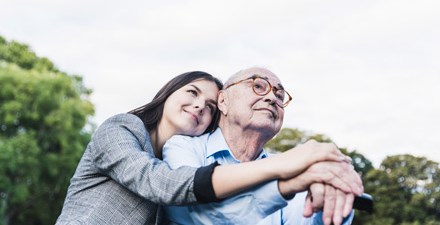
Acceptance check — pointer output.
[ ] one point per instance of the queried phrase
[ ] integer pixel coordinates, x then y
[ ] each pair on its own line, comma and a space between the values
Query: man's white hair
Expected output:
240, 74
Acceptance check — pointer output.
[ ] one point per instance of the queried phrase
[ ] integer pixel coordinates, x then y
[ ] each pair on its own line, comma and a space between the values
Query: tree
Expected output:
406, 191
288, 138
405, 188
361, 164
23, 56
43, 115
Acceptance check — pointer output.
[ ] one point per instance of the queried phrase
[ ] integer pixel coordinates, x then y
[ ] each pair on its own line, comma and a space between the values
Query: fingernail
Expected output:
327, 221
337, 220
346, 212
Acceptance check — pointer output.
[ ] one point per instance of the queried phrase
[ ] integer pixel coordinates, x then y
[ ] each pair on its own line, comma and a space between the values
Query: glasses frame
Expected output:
271, 88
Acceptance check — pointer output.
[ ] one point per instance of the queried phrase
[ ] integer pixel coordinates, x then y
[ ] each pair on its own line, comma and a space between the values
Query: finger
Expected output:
339, 207
308, 209
345, 158
317, 192
336, 181
356, 186
348, 159
333, 152
323, 152
358, 178
348, 176
333, 173
329, 204
349, 200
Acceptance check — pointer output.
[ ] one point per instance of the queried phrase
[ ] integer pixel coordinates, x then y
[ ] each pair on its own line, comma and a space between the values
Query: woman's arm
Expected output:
229, 179
121, 150
245, 208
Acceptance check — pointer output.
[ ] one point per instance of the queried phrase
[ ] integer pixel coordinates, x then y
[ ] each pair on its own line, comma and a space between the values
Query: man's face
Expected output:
249, 110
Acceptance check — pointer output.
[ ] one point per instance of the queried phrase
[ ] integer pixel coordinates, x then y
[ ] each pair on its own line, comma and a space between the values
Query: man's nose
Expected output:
270, 97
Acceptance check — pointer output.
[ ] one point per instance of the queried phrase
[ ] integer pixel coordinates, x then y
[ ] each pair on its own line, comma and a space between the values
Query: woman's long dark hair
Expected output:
152, 112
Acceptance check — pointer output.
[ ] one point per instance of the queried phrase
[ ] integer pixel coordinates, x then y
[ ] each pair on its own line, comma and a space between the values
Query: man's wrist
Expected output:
284, 192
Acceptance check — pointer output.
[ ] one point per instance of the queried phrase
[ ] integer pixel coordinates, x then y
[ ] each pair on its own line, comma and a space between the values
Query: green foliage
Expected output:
288, 138
20, 54
360, 163
43, 113
406, 191
405, 188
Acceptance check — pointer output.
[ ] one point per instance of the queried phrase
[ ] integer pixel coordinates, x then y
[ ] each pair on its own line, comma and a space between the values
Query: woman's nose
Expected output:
200, 106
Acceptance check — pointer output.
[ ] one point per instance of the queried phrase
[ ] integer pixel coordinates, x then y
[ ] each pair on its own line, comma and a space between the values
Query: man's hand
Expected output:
335, 203
340, 175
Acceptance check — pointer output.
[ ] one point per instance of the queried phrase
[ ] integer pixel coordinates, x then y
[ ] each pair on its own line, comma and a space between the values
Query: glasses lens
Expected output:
261, 86
286, 99
280, 94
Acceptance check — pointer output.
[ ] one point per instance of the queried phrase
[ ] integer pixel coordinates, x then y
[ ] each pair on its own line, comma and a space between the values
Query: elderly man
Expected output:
252, 111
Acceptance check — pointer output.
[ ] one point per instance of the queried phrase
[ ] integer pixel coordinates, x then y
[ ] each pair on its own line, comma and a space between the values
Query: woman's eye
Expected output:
193, 92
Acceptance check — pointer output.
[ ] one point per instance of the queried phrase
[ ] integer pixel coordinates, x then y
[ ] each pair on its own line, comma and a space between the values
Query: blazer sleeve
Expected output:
121, 149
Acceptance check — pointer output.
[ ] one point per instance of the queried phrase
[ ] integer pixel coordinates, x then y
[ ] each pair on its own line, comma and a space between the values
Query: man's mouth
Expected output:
274, 115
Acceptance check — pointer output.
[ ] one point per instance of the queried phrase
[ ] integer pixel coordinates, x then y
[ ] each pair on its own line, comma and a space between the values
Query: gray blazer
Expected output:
119, 180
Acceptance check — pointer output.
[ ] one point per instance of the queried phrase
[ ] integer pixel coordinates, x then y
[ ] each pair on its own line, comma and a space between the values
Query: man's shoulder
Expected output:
182, 150
190, 145
202, 139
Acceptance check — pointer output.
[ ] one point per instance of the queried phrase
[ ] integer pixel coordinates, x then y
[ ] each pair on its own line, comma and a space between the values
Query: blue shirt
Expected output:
262, 205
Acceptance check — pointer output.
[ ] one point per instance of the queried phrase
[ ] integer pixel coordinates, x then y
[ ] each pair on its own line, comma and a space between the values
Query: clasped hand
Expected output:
330, 179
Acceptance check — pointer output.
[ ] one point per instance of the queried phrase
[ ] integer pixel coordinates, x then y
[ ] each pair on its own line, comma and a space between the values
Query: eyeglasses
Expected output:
262, 87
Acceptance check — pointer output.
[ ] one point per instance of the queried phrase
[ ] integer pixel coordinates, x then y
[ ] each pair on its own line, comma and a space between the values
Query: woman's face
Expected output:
190, 109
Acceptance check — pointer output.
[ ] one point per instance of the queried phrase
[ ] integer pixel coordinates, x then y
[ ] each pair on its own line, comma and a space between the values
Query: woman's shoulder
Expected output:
125, 121
123, 118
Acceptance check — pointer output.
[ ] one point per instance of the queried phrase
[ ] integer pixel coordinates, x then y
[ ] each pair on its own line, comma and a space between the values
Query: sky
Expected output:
364, 73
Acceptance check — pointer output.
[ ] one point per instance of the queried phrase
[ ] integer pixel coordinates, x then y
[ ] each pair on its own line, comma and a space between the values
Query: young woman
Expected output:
121, 179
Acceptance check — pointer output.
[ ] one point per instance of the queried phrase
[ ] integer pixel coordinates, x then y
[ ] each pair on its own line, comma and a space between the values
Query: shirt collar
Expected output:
217, 144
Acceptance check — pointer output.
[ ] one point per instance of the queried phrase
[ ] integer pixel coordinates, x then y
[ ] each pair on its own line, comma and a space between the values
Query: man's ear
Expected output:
222, 102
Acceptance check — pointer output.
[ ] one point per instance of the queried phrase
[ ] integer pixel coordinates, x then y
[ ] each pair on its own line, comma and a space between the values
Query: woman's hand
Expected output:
296, 160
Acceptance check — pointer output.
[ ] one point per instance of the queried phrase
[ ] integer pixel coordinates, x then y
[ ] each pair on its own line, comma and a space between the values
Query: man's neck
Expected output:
245, 144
